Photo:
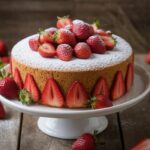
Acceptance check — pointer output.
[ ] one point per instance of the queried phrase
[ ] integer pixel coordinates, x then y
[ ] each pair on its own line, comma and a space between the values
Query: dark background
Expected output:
127, 18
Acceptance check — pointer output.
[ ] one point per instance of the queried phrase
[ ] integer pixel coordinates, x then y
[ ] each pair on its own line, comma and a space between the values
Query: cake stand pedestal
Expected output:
71, 123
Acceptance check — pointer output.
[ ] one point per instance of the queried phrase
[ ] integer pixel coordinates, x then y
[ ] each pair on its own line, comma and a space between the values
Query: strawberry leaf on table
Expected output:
25, 97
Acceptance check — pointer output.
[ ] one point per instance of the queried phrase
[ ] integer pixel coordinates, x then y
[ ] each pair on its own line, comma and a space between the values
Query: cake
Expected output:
107, 71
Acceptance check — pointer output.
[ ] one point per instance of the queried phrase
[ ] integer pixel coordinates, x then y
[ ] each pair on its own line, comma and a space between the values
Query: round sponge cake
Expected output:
87, 71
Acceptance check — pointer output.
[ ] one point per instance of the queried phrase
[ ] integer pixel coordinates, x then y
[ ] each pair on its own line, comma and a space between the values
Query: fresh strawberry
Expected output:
2, 111
96, 43
3, 49
85, 142
5, 59
34, 44
147, 58
46, 36
63, 21
64, 52
31, 87
82, 30
129, 77
109, 41
52, 95
68, 27
18, 79
64, 36
82, 50
101, 88
9, 88
100, 101
118, 87
77, 96
47, 50
142, 145
51, 31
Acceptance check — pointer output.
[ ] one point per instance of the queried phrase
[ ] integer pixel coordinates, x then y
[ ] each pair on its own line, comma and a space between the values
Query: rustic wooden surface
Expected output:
20, 132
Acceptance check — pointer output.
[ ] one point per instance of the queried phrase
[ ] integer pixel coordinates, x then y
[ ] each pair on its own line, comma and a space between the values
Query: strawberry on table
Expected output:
2, 111
64, 52
31, 87
85, 142
97, 44
34, 43
52, 95
76, 96
101, 88
82, 30
147, 58
118, 87
18, 79
82, 50
3, 49
47, 50
64, 36
63, 21
142, 145
100, 101
9, 88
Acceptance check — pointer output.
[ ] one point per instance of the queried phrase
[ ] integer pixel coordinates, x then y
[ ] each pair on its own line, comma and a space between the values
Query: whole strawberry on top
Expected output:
85, 142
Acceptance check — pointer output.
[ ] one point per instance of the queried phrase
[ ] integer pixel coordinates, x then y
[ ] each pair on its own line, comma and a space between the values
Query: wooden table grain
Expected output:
20, 132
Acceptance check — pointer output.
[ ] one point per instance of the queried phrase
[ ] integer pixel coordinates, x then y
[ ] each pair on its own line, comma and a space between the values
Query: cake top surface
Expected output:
23, 54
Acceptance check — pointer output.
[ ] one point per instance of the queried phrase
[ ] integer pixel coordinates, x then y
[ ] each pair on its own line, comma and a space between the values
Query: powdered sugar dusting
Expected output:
23, 54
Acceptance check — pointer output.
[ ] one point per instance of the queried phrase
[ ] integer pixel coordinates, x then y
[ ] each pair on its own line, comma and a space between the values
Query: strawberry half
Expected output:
47, 50
118, 87
31, 87
77, 96
2, 111
97, 44
63, 21
109, 41
85, 142
9, 88
101, 88
3, 49
52, 95
34, 43
129, 77
100, 101
142, 145
18, 79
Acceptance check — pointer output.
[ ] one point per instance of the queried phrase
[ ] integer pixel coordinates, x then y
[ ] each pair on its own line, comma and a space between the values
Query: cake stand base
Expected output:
71, 128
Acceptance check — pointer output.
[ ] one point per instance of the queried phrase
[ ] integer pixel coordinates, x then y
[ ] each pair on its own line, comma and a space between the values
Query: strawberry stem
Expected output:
25, 97
96, 23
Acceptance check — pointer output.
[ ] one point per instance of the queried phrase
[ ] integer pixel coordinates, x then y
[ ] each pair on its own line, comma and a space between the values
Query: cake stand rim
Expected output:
72, 113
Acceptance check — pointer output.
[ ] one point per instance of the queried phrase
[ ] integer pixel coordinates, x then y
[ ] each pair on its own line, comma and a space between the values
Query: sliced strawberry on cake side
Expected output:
129, 77
18, 79
52, 95
31, 87
118, 87
101, 88
77, 96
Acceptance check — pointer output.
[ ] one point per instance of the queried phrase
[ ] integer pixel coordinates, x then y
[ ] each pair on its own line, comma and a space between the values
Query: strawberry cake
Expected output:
72, 65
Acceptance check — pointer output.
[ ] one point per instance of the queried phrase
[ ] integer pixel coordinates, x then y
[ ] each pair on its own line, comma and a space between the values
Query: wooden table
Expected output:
20, 131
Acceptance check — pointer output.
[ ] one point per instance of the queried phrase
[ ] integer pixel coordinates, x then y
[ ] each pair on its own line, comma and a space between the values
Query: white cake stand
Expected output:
70, 124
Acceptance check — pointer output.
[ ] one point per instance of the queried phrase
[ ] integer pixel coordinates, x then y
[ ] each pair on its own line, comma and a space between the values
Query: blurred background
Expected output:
127, 18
